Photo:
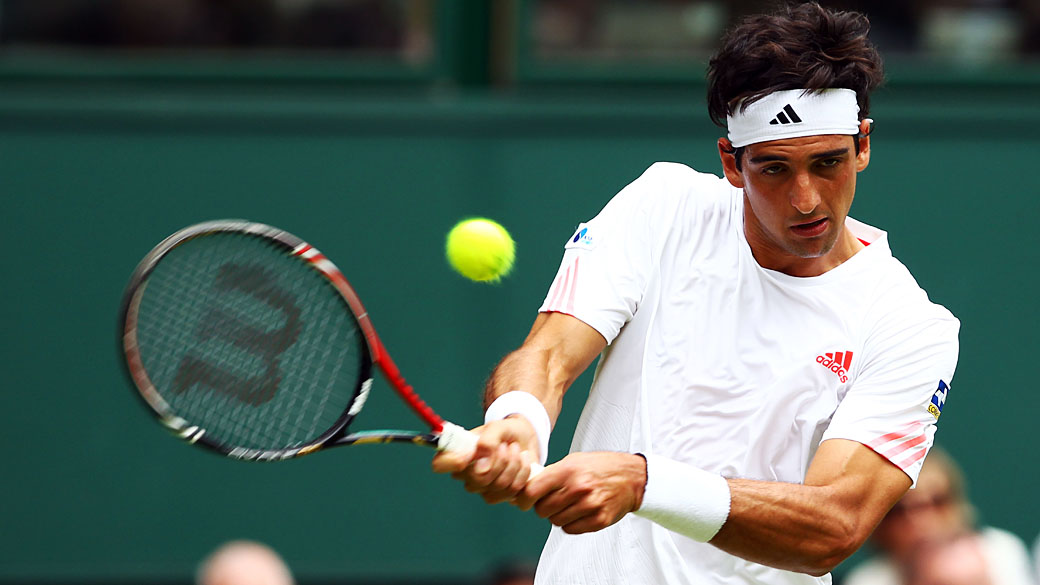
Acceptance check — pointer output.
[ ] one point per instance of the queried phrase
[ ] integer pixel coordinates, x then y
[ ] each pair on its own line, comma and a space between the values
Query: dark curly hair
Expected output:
799, 47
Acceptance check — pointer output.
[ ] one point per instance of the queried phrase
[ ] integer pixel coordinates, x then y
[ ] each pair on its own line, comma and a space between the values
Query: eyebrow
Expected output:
817, 156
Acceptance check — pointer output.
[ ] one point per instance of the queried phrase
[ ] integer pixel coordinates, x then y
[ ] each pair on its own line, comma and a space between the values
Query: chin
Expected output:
810, 253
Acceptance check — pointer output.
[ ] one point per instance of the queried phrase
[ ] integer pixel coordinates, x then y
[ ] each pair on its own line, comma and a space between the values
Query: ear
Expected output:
729, 163
866, 126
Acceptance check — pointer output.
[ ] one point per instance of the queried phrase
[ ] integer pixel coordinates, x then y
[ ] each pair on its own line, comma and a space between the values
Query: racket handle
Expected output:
459, 440
456, 439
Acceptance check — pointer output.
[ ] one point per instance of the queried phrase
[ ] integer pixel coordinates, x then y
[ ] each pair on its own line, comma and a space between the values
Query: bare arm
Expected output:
557, 350
808, 528
812, 527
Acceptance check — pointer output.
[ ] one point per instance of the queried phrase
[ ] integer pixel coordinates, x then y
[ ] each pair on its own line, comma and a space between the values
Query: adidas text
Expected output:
831, 365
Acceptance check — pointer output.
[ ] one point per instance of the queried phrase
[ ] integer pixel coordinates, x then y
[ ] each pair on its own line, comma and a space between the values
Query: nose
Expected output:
804, 195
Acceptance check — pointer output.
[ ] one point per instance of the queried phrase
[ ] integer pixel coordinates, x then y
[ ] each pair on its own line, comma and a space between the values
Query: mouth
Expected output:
812, 228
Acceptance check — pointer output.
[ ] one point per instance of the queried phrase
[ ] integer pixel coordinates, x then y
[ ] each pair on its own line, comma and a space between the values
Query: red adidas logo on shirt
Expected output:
837, 362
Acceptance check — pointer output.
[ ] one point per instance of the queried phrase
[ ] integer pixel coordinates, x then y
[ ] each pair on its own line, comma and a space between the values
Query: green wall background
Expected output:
95, 172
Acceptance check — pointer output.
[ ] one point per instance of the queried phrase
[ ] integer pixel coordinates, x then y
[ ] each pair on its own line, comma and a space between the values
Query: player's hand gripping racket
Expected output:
246, 340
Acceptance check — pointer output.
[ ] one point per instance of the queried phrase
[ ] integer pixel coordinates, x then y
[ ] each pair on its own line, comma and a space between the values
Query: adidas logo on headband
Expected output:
786, 116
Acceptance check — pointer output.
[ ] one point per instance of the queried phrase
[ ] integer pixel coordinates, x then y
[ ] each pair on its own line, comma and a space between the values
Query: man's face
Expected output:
797, 194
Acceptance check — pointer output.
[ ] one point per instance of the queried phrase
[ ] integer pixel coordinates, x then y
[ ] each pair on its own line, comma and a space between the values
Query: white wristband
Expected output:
529, 407
684, 498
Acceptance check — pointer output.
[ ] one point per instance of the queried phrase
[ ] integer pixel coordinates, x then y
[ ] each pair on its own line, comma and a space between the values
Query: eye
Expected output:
830, 162
772, 170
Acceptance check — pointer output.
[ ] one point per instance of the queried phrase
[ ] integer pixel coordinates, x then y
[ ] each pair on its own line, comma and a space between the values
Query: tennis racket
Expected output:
246, 340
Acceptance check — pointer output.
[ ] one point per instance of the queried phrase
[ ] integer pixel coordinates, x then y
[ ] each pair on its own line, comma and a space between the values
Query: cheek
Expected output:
762, 196
763, 208
851, 184
843, 190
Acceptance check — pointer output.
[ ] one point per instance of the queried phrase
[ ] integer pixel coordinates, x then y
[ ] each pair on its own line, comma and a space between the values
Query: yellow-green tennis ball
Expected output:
480, 249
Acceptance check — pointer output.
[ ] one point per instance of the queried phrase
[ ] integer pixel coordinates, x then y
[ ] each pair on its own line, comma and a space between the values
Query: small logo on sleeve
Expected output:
582, 238
838, 362
938, 399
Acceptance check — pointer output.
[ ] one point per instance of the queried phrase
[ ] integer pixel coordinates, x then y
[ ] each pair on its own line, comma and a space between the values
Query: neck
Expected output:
769, 256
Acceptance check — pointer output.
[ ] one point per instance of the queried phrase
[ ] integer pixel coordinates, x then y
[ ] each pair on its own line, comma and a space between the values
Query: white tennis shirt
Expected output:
739, 370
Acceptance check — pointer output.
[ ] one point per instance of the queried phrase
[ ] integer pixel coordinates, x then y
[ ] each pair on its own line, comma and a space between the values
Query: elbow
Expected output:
834, 547
828, 560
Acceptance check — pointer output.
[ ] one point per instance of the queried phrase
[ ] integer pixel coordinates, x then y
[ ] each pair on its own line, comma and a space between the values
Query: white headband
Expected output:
794, 113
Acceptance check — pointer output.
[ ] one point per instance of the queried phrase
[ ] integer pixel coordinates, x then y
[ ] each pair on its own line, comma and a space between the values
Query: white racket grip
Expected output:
458, 440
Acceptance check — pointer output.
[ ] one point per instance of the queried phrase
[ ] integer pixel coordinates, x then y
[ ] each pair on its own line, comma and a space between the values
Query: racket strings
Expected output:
248, 342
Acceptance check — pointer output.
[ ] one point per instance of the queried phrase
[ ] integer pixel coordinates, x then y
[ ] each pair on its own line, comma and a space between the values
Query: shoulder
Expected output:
909, 341
677, 178
665, 170
674, 189
899, 296
666, 199
907, 327
894, 297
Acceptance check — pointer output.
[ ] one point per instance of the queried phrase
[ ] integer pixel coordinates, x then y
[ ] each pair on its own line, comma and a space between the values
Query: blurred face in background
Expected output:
960, 562
933, 512
244, 563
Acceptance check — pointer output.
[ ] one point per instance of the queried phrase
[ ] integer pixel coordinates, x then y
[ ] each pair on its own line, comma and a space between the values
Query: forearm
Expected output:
808, 529
527, 370
557, 350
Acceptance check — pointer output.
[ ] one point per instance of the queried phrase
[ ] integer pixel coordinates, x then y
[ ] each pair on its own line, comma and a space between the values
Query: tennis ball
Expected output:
480, 249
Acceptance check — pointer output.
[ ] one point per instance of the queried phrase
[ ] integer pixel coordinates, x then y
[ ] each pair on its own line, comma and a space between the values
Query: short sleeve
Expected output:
898, 396
608, 260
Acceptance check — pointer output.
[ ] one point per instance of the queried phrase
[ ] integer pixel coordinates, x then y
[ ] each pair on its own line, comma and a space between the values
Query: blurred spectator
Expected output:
935, 516
170, 24
1030, 26
512, 573
371, 26
959, 31
961, 561
352, 24
971, 31
243, 562
963, 31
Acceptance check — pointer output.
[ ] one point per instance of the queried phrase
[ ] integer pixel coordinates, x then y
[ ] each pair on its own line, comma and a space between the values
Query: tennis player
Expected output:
770, 376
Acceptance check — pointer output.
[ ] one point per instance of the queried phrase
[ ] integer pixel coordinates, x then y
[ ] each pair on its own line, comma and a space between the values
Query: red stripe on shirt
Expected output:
891, 453
913, 458
894, 435
574, 287
561, 284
